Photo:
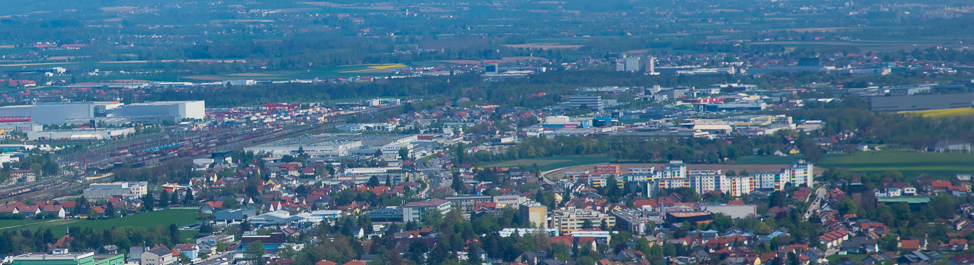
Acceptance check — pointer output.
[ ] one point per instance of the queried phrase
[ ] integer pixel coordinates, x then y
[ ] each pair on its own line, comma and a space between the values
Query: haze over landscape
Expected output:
798, 132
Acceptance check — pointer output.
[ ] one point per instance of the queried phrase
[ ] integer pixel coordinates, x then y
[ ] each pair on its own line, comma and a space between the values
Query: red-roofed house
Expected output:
54, 209
912, 245
565, 240
938, 186
647, 204
326, 262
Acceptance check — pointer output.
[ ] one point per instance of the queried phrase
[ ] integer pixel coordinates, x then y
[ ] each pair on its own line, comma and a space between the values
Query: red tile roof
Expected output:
910, 244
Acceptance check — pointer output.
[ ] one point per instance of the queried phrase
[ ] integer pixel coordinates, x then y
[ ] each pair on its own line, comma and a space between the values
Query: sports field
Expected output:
180, 217
911, 164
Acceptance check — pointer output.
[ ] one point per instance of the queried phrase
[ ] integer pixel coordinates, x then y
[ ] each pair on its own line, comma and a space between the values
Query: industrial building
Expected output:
345, 144
63, 257
49, 113
156, 112
414, 211
79, 134
132, 189
324, 145
922, 102
28, 117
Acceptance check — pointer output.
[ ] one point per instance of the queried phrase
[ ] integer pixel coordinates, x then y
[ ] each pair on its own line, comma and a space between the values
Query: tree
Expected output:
110, 210
373, 181
847, 206
221, 247
174, 234
730, 173
457, 183
287, 253
254, 252
417, 251
389, 181
944, 206
231, 202
403, 153
163, 199
188, 200
184, 259
206, 228
148, 202
392, 257
763, 229
432, 218
587, 224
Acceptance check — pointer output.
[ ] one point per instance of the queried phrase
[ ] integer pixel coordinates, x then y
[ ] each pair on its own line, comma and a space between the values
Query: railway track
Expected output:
154, 149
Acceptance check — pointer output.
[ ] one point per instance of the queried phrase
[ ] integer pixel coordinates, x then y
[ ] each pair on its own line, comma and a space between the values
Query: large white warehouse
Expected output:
110, 112
172, 110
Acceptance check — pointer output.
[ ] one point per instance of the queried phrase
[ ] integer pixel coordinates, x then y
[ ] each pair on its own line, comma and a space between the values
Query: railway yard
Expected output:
185, 141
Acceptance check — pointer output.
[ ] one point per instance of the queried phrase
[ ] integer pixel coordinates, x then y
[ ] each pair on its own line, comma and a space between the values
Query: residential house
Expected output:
190, 250
159, 255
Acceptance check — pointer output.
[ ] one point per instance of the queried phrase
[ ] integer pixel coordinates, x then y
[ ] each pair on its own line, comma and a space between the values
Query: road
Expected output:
217, 259
819, 196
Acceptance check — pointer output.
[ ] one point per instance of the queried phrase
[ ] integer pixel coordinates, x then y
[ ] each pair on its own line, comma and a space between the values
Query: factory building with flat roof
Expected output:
23, 117
922, 102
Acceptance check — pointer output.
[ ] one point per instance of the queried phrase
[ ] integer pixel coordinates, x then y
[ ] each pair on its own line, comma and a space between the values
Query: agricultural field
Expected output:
944, 112
164, 218
766, 160
911, 164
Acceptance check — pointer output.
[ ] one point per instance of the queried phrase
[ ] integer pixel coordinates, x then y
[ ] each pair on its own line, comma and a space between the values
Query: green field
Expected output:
767, 160
940, 165
550, 163
180, 217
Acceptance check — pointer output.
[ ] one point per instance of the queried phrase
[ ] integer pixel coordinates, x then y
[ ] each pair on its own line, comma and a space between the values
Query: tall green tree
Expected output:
254, 252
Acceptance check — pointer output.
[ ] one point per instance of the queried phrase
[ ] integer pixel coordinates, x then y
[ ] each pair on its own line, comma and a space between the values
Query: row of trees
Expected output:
642, 149
88, 238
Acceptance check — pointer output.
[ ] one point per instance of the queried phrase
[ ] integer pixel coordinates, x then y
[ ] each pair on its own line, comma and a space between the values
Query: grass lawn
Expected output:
854, 258
180, 217
941, 165
550, 163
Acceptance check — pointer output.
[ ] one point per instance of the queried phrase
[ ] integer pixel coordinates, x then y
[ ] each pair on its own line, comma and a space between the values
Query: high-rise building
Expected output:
651, 66
632, 64
799, 174
590, 102
570, 220
536, 214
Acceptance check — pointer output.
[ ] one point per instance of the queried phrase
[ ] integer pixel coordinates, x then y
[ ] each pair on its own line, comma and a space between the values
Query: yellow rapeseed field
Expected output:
944, 112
